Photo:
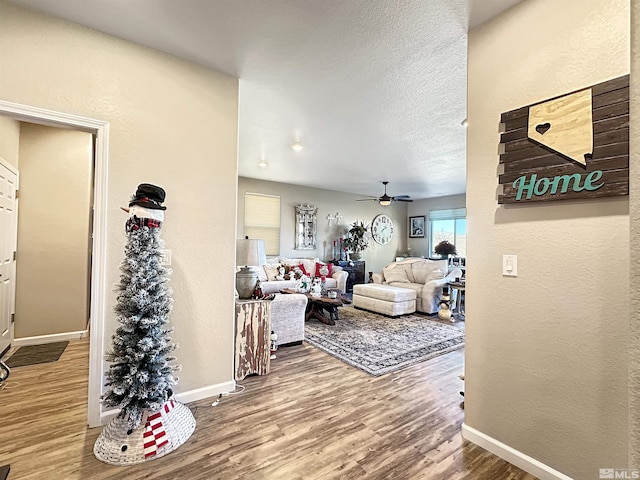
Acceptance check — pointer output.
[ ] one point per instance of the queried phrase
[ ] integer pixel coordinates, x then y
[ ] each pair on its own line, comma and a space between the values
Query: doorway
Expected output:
100, 131
52, 270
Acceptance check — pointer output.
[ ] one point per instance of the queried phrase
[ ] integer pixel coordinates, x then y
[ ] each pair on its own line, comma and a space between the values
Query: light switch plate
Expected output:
510, 265
166, 256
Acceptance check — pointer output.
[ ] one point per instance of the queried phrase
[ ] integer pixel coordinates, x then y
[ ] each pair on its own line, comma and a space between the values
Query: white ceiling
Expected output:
374, 89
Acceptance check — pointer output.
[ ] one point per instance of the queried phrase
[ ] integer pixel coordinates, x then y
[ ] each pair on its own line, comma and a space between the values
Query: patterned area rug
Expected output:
378, 344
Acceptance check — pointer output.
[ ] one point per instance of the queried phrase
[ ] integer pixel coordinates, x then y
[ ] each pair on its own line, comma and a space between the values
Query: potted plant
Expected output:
357, 239
444, 249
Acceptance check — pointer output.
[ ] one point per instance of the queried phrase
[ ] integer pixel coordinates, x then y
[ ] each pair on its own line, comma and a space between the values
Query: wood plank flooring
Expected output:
312, 417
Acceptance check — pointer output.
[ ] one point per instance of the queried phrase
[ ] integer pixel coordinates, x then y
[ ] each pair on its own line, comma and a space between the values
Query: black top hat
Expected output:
149, 196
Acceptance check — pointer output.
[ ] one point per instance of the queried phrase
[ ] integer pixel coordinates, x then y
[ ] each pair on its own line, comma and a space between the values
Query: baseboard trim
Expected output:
53, 338
511, 455
184, 397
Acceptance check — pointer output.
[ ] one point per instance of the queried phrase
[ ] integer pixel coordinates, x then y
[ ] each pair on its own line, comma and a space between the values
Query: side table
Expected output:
458, 312
355, 269
253, 332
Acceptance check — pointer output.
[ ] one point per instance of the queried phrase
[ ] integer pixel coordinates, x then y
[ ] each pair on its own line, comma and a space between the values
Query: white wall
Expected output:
172, 123
328, 202
52, 273
420, 246
547, 352
9, 140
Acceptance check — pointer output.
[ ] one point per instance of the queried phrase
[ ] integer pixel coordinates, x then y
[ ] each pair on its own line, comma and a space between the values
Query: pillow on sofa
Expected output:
396, 275
422, 270
271, 270
436, 274
323, 269
307, 264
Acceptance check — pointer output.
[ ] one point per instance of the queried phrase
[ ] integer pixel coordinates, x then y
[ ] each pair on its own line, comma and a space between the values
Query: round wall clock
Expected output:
382, 229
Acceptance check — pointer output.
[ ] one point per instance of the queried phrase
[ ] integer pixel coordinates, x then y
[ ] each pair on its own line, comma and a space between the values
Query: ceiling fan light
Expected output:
297, 147
263, 164
385, 203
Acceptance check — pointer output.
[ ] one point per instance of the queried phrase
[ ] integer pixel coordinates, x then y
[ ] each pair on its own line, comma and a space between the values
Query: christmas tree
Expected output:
140, 377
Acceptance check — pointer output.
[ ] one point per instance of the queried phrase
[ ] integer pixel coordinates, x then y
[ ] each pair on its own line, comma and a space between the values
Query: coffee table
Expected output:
316, 306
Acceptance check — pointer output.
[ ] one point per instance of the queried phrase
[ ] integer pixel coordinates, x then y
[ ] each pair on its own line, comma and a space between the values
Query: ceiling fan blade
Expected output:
367, 199
402, 199
402, 196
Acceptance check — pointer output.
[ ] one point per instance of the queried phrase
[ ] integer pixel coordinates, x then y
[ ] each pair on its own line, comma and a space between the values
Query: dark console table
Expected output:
355, 269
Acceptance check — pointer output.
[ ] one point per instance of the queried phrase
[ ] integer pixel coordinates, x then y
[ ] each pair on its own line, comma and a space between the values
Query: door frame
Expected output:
100, 129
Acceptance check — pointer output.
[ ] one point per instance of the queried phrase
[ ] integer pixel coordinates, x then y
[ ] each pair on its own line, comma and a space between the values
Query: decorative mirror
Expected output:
306, 227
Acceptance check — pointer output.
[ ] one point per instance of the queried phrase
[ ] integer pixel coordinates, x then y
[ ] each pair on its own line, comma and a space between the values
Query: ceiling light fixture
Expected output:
385, 202
297, 146
263, 164
464, 123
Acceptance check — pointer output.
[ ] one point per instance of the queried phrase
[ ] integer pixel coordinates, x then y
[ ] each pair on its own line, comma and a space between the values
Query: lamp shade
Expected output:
250, 252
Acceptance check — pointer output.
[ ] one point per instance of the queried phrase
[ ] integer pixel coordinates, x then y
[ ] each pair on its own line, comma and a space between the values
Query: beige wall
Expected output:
172, 123
9, 140
328, 202
53, 231
634, 213
547, 352
420, 246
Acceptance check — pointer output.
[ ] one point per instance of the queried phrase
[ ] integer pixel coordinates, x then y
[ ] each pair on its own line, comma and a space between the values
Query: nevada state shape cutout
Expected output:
564, 125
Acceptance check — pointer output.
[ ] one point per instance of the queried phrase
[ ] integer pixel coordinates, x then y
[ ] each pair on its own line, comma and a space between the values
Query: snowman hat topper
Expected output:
149, 196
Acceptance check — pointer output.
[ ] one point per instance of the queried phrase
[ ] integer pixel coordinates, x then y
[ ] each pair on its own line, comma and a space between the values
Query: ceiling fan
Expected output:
385, 199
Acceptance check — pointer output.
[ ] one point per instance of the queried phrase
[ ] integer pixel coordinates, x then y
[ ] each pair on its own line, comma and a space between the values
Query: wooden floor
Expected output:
312, 417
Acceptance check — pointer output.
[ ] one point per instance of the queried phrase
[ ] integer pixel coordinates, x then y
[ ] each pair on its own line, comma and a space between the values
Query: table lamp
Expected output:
249, 253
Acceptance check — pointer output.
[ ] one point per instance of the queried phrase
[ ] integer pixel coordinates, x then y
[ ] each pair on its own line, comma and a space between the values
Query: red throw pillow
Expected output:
329, 269
301, 267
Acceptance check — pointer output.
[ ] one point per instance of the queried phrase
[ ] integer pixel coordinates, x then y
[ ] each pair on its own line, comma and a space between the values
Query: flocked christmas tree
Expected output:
140, 377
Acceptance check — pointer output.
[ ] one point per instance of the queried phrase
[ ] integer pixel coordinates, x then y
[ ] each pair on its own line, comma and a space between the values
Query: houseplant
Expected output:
357, 239
444, 249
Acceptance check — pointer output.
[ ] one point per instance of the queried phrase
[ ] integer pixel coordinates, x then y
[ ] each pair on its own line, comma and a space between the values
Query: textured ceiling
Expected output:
374, 90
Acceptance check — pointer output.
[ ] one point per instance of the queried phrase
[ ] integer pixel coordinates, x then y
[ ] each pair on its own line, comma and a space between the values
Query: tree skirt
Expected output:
158, 434
378, 344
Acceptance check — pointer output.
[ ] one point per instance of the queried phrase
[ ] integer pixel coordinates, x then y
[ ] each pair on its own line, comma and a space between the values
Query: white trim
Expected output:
511, 455
53, 338
100, 129
206, 392
184, 397
10, 167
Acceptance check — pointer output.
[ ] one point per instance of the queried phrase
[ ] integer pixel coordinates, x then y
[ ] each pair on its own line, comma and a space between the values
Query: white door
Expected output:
8, 236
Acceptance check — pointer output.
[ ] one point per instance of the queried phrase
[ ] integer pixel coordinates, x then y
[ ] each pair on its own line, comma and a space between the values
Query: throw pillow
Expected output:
436, 274
396, 275
304, 270
271, 269
324, 269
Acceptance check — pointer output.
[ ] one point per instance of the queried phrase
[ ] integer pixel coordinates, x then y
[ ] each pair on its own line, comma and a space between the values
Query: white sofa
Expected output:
426, 277
267, 274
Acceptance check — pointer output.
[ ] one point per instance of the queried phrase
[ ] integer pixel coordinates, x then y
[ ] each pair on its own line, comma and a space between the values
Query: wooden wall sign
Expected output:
570, 147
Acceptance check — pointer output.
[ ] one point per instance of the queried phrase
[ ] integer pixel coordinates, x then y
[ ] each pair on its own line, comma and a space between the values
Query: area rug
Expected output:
378, 344
34, 354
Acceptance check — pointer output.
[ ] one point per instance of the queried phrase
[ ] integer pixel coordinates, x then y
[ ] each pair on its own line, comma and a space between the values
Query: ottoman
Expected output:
385, 299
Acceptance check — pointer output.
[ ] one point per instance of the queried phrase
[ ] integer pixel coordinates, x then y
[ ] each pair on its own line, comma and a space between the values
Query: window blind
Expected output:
448, 214
262, 220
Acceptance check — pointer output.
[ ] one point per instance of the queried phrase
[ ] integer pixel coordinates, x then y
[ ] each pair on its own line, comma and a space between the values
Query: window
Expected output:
262, 220
449, 225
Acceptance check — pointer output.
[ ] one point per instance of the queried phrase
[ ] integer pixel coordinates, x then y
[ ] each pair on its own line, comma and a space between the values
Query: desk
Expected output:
458, 312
